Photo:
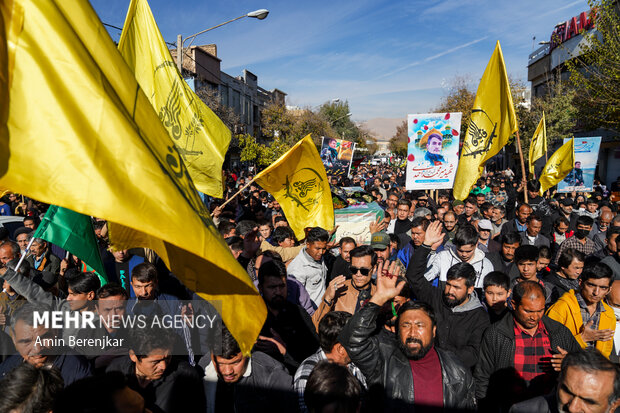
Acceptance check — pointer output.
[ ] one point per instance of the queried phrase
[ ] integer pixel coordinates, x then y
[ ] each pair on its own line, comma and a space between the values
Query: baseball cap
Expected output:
485, 224
568, 202
379, 240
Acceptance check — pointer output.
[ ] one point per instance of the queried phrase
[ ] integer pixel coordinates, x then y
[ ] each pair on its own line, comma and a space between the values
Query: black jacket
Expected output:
497, 352
180, 388
266, 386
560, 284
384, 365
459, 332
499, 264
540, 404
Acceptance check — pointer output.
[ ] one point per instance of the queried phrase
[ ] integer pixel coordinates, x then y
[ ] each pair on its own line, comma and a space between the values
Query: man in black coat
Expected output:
503, 260
411, 370
233, 382
519, 354
461, 318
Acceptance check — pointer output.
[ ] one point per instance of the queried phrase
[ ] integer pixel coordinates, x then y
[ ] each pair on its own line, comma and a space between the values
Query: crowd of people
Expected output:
506, 301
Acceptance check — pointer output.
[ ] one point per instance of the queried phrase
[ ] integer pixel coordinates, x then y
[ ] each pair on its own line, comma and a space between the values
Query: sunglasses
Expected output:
364, 271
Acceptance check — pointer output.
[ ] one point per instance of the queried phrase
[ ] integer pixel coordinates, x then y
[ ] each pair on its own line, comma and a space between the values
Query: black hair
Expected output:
83, 282
280, 234
404, 201
317, 234
144, 340
418, 305
35, 219
471, 200
486, 206
533, 185
365, 250
420, 222
230, 347
30, 389
225, 227
527, 289
263, 222
612, 231
534, 217
526, 253
245, 227
561, 220
346, 240
544, 252
274, 268
279, 219
496, 279
330, 327
591, 360
332, 385
567, 256
465, 235
462, 270
112, 290
585, 220
144, 272
596, 272
396, 239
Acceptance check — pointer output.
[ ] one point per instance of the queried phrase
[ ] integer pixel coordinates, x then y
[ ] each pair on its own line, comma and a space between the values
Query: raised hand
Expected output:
434, 235
388, 283
334, 287
591, 334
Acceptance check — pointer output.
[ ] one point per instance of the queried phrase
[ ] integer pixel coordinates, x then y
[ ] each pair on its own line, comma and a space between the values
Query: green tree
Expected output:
398, 142
595, 74
260, 154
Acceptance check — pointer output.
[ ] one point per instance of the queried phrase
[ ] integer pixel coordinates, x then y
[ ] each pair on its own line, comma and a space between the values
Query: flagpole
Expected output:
522, 166
237, 193
19, 263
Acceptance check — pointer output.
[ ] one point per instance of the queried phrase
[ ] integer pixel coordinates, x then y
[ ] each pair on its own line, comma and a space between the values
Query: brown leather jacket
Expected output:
345, 301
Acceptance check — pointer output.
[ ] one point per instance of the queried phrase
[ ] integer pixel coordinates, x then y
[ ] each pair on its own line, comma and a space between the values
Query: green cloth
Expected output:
73, 232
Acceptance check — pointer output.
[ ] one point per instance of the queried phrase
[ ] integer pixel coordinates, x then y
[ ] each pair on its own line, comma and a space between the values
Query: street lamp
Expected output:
260, 14
343, 116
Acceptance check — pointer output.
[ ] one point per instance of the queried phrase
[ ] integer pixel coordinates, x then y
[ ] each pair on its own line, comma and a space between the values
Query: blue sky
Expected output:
387, 58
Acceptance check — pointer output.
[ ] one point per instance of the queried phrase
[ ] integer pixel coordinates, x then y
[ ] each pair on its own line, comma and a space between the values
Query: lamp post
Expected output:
256, 14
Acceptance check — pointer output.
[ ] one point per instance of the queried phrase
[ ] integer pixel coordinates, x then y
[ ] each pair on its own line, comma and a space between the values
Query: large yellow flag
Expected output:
82, 135
558, 166
491, 124
298, 182
538, 147
198, 134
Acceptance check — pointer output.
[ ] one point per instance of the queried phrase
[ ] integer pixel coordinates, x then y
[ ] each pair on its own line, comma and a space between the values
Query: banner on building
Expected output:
337, 155
432, 154
581, 178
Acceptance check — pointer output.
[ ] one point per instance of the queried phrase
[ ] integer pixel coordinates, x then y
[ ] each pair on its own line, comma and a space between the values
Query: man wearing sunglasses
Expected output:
350, 295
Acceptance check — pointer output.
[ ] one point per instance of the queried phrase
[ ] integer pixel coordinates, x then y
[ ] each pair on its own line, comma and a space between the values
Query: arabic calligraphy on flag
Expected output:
432, 150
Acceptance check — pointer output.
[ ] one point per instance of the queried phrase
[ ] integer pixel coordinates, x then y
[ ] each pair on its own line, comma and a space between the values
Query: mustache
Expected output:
411, 340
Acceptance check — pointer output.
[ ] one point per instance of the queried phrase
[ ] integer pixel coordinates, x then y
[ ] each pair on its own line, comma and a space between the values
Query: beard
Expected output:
417, 354
277, 302
452, 302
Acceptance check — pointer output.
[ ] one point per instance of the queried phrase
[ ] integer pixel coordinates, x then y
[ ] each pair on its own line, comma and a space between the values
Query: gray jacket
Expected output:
310, 273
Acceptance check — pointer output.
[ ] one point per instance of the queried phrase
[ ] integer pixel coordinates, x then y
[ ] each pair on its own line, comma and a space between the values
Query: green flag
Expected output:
73, 232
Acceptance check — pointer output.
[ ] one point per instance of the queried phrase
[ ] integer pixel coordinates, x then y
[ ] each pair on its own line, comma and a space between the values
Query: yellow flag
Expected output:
558, 166
298, 182
82, 135
491, 124
538, 147
198, 134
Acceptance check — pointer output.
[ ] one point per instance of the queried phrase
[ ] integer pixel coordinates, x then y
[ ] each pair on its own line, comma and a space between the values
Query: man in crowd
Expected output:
234, 382
570, 264
461, 319
309, 267
464, 249
41, 258
610, 247
580, 240
485, 243
412, 370
166, 383
496, 293
519, 223
588, 382
417, 231
402, 223
350, 295
331, 350
342, 264
288, 334
532, 235
519, 353
498, 220
504, 259
585, 313
449, 225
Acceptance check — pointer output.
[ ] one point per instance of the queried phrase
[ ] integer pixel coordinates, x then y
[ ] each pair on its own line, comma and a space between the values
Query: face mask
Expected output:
581, 233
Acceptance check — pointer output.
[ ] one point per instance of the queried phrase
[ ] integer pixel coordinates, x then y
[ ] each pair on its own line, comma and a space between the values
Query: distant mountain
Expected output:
383, 128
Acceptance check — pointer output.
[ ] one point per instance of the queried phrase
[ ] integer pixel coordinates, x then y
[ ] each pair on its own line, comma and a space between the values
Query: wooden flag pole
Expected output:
522, 166
237, 193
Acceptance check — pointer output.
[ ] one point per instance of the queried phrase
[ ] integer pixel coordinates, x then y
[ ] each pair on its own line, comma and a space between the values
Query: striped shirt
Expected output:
306, 367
